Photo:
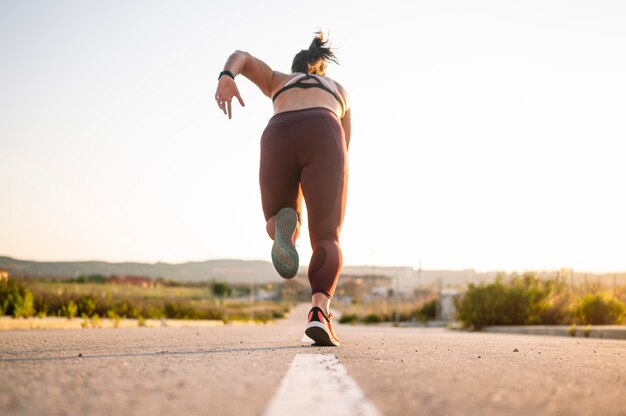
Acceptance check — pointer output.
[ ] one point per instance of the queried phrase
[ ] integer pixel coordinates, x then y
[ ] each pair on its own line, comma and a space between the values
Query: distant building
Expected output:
264, 294
4, 275
296, 289
352, 289
361, 287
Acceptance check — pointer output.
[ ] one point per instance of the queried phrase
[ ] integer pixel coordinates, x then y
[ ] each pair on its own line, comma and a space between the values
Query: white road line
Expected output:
317, 384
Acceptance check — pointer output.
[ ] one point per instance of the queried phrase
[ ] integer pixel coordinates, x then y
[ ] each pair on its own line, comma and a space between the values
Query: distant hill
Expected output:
243, 271
234, 271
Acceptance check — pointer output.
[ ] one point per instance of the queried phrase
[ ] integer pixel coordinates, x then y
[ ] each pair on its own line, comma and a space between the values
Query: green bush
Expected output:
70, 310
114, 317
94, 278
278, 314
427, 312
373, 318
599, 309
221, 289
181, 310
24, 306
16, 299
126, 309
348, 318
555, 307
521, 301
88, 305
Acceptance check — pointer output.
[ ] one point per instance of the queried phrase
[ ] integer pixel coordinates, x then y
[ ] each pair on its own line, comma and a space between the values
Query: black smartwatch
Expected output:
226, 72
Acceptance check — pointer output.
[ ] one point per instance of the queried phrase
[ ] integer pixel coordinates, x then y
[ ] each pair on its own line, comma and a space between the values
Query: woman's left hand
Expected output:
226, 90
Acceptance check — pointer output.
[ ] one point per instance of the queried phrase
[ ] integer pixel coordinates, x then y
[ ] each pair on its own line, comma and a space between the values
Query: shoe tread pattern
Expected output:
284, 255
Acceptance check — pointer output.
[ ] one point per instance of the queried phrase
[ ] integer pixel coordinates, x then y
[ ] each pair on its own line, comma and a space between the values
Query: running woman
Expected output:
303, 154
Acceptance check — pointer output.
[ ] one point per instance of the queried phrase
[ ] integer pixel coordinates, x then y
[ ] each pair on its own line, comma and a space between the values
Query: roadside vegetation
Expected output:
379, 311
528, 300
508, 300
95, 297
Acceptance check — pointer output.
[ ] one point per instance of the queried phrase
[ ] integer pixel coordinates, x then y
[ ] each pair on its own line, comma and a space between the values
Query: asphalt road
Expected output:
236, 370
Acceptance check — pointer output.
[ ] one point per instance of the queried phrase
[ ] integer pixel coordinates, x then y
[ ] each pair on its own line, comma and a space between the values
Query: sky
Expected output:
486, 134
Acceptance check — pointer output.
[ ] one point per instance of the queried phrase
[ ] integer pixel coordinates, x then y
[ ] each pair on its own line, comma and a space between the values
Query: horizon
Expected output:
373, 266
486, 134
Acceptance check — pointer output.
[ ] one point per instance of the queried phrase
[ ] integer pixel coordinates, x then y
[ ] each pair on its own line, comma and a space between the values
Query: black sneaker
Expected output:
319, 328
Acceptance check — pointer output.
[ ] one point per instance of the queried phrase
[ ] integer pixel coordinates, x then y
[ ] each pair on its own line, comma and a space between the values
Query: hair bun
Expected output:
313, 60
318, 49
315, 49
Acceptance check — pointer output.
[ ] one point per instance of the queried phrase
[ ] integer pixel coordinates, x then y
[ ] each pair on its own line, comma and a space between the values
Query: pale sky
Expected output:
486, 134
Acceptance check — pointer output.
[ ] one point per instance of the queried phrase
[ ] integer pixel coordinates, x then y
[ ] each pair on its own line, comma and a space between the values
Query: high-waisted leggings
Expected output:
303, 153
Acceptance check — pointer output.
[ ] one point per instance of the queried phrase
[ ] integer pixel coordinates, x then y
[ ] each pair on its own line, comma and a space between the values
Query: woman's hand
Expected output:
226, 90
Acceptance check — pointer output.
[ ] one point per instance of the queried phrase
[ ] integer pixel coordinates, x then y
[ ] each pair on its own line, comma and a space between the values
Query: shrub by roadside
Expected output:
25, 299
527, 300
521, 301
373, 313
599, 309
427, 312
16, 299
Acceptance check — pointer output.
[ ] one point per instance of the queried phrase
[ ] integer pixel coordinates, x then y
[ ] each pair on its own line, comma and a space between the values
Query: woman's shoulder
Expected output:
279, 79
337, 84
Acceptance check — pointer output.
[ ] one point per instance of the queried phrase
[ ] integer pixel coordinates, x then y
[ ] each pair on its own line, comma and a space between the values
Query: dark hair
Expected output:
313, 60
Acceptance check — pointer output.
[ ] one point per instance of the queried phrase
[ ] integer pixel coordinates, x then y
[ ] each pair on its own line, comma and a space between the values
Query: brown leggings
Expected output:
303, 152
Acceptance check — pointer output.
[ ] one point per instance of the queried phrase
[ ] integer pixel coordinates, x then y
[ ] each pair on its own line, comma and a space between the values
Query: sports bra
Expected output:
297, 83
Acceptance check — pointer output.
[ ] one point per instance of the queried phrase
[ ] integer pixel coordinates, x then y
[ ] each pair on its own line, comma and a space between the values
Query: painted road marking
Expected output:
318, 384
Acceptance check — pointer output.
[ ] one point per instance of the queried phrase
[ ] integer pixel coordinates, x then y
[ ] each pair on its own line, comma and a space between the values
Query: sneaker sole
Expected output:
318, 333
284, 254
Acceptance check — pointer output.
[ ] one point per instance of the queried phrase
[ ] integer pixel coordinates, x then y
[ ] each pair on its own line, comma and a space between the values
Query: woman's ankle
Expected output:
321, 301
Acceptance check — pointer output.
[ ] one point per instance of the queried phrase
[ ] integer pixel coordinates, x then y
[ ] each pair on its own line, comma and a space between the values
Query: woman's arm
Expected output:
254, 69
346, 123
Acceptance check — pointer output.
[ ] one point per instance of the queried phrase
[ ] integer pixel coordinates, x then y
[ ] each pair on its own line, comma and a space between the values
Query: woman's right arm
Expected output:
257, 71
346, 123
346, 120
254, 69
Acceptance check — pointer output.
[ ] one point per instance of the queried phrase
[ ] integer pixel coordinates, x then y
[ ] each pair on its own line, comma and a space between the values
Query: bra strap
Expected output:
318, 84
